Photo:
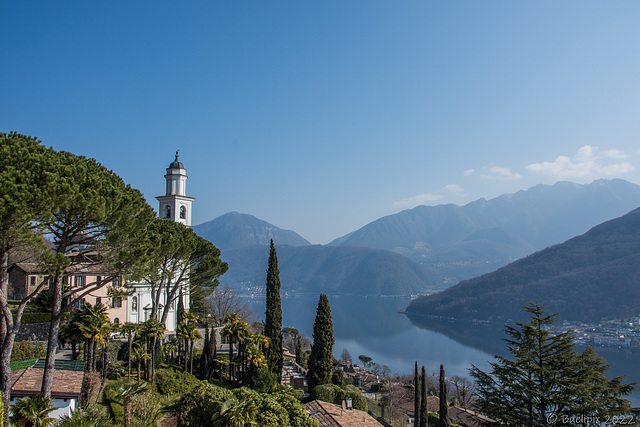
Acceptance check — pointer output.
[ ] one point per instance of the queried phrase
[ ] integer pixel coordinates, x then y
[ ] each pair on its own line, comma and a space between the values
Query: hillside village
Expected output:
132, 306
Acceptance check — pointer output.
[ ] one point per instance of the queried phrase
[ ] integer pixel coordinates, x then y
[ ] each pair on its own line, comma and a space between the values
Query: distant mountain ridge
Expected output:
333, 270
588, 278
466, 241
235, 230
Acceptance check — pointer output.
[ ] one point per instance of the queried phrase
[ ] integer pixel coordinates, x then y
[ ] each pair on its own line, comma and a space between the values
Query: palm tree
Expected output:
153, 329
235, 413
33, 411
139, 354
125, 392
188, 331
233, 330
93, 416
130, 330
169, 348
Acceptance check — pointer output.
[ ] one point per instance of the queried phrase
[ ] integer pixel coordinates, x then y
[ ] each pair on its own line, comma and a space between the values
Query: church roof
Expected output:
176, 164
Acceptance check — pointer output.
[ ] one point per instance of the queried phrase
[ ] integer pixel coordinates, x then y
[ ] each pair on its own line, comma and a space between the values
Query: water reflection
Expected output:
373, 326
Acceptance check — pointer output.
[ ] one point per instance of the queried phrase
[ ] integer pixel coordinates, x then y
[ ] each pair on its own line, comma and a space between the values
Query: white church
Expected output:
175, 205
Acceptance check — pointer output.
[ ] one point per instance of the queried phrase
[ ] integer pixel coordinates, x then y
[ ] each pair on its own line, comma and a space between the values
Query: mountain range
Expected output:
587, 278
461, 242
420, 250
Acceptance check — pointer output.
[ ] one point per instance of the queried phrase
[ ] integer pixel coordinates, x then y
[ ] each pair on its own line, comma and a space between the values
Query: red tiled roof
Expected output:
66, 384
330, 415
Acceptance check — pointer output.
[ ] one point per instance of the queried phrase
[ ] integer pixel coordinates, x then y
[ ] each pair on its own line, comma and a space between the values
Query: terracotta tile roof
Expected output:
330, 415
469, 418
66, 384
433, 405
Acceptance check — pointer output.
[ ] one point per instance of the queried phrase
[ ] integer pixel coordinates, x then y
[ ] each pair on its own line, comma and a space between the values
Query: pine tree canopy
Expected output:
547, 379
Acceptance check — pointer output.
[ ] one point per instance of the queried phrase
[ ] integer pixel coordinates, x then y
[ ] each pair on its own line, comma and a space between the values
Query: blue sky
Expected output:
321, 116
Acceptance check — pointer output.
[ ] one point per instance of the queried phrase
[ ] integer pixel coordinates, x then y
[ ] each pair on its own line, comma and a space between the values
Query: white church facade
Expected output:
175, 205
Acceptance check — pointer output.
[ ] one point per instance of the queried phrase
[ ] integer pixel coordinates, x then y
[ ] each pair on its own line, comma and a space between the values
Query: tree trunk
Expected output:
54, 328
126, 407
7, 337
129, 357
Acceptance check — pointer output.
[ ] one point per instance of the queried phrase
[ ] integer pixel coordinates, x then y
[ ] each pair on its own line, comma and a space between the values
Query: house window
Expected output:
116, 282
168, 212
116, 321
98, 300
116, 302
32, 281
98, 279
78, 281
134, 304
183, 212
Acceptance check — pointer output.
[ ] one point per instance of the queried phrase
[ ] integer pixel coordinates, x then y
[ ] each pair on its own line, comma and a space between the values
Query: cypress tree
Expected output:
444, 405
416, 396
424, 416
273, 316
321, 358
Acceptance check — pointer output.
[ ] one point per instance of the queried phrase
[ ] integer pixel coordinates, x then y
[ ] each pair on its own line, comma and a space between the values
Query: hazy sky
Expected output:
321, 116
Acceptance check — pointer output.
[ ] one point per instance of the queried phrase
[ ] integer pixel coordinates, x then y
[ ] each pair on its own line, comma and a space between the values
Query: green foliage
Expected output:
27, 350
28, 318
261, 380
93, 416
321, 358
1, 411
333, 394
33, 411
208, 403
175, 382
546, 377
273, 316
444, 401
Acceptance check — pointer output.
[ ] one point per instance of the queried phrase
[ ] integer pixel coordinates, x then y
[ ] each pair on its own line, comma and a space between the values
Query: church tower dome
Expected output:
175, 204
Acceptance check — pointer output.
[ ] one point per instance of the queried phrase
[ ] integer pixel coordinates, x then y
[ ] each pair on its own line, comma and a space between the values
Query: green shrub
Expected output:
333, 394
328, 393
28, 318
173, 382
358, 400
25, 350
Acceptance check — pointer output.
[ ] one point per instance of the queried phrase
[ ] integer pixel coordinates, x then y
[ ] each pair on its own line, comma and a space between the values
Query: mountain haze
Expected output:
588, 278
235, 230
466, 241
333, 270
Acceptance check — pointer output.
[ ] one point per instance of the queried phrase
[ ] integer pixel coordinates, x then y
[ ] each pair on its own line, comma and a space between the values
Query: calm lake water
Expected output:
373, 326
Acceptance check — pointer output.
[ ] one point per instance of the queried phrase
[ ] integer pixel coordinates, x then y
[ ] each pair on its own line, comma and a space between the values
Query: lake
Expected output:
374, 327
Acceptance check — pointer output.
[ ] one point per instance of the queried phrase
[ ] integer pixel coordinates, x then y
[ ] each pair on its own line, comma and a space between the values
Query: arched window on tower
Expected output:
168, 212
183, 212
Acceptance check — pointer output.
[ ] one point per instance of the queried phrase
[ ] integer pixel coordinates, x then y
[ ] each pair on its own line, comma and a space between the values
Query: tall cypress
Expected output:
444, 405
424, 416
321, 359
273, 316
416, 396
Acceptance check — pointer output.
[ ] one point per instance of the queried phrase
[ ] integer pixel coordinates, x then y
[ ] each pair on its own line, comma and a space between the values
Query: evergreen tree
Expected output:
547, 379
424, 415
444, 404
273, 316
321, 358
416, 396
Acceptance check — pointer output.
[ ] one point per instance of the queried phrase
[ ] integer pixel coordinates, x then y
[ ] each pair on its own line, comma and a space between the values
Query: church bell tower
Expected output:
175, 204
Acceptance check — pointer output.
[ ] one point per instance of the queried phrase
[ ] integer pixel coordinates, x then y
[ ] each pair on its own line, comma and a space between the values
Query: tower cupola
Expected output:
175, 204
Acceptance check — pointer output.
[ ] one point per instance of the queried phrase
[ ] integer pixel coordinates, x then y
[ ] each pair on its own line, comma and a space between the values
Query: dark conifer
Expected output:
416, 396
321, 358
444, 404
273, 316
424, 416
